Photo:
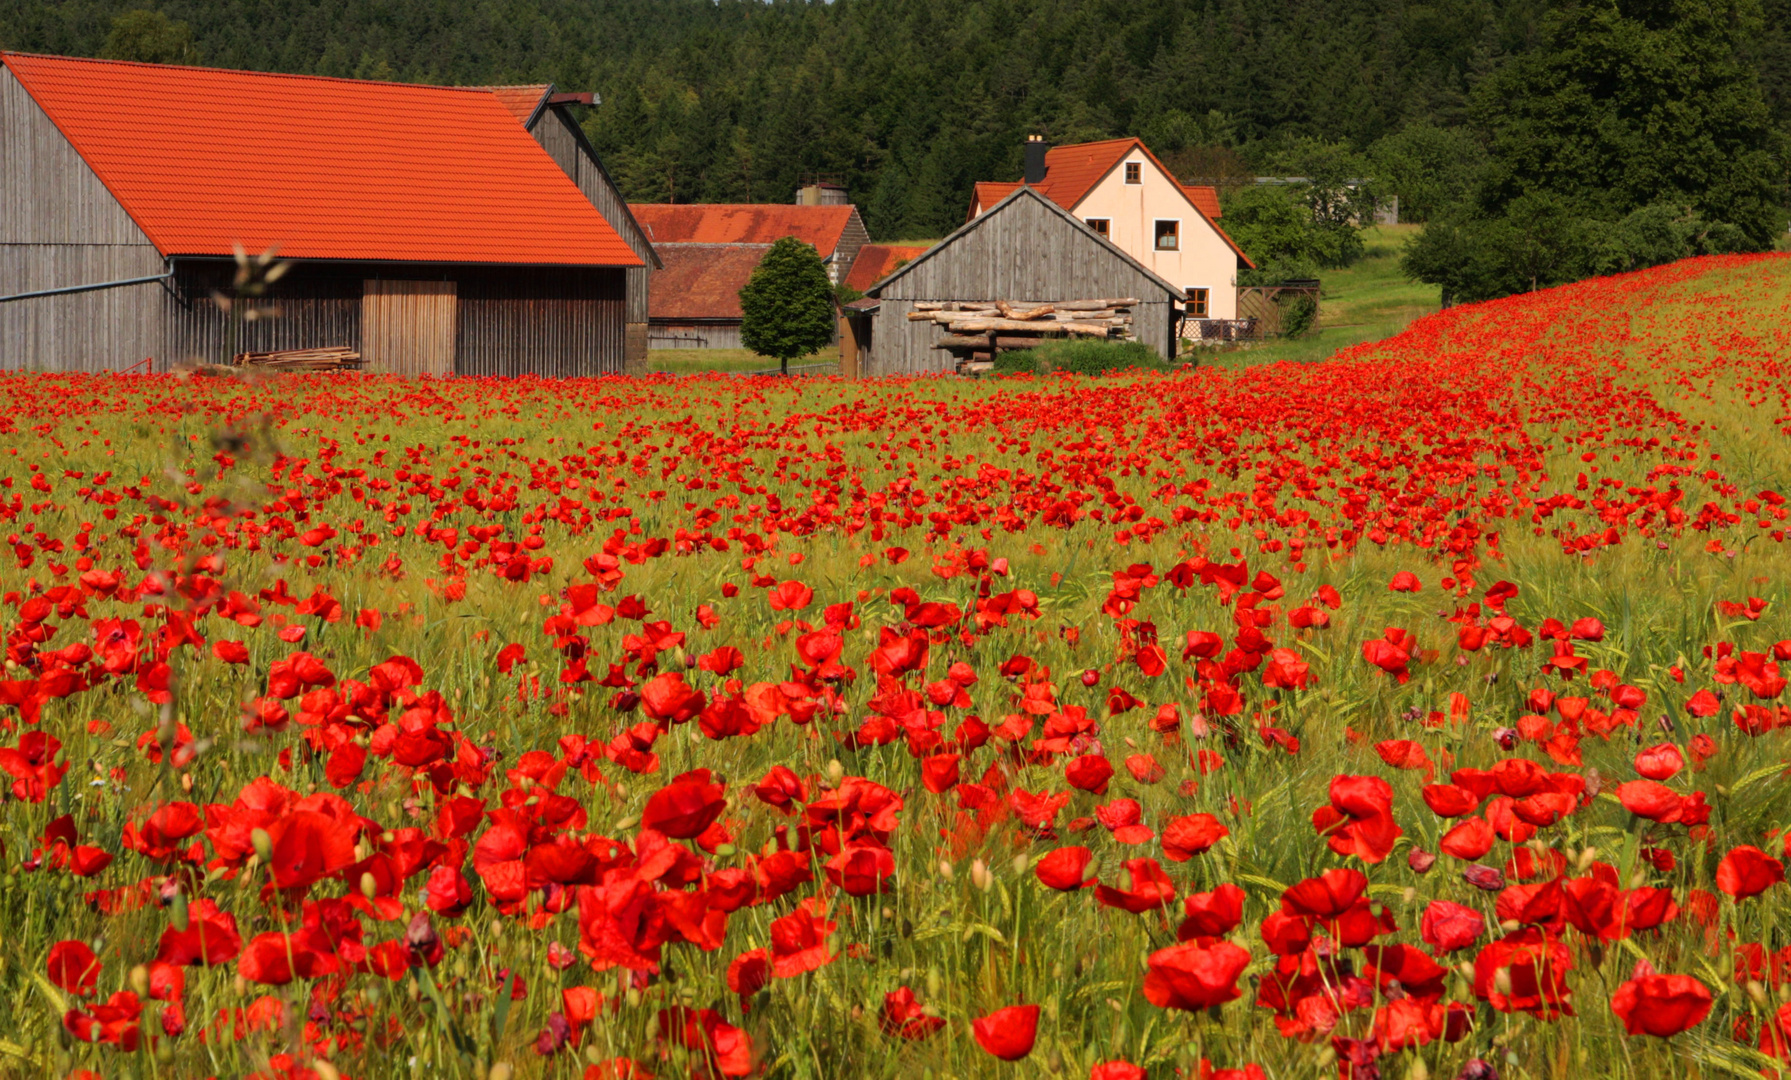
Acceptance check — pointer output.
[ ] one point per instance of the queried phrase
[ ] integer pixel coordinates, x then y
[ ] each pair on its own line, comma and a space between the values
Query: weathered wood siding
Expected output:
59, 226
1023, 253
669, 335
408, 327
318, 305
559, 134
554, 321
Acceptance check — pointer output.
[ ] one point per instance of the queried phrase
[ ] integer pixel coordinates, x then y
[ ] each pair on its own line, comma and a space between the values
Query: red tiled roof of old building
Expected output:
205, 159
1071, 172
522, 101
702, 281
743, 223
877, 261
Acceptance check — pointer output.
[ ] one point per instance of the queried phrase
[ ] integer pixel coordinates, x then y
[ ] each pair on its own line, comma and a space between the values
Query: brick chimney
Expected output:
1035, 159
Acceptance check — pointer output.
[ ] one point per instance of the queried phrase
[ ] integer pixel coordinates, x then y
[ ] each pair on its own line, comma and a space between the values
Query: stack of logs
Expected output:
329, 358
977, 332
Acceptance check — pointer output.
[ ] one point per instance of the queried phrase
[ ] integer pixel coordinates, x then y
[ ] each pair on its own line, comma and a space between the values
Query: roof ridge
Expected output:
250, 71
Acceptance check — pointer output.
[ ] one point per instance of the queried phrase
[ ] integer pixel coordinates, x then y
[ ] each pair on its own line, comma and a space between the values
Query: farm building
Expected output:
696, 294
834, 230
1121, 191
546, 113
1025, 252
429, 231
876, 262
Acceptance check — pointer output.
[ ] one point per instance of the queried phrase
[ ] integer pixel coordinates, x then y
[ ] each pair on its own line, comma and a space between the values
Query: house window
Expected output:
1169, 235
1134, 172
1099, 225
1197, 303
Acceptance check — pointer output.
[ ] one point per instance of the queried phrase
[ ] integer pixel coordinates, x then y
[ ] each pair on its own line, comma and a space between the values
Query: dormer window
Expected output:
1134, 172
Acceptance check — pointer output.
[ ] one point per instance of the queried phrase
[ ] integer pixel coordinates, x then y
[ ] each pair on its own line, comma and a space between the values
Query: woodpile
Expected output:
330, 358
976, 332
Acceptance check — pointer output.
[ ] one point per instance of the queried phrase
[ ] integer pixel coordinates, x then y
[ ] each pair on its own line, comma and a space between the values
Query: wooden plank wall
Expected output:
664, 335
553, 321
319, 305
408, 327
1024, 254
59, 226
559, 134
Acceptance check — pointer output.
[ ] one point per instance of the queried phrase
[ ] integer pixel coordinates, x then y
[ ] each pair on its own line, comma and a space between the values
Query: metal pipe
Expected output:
87, 288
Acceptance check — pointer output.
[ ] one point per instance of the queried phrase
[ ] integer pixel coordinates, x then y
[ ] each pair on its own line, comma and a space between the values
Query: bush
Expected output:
1081, 356
1300, 317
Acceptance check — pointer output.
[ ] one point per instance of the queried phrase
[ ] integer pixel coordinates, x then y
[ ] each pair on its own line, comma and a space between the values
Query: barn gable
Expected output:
1024, 250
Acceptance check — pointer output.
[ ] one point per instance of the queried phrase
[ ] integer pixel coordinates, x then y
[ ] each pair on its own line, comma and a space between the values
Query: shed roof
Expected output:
743, 223
1024, 192
875, 261
206, 159
702, 281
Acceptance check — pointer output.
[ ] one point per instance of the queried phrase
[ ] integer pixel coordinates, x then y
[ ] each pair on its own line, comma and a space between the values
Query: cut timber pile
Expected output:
332, 358
977, 332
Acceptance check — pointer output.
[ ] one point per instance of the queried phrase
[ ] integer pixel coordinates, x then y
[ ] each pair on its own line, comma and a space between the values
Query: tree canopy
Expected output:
787, 305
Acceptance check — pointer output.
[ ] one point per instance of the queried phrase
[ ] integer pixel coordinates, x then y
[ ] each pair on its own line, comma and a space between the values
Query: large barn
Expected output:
1025, 251
429, 230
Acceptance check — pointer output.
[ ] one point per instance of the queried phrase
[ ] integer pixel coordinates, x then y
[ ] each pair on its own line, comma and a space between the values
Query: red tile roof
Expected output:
877, 261
702, 281
1206, 198
522, 101
742, 223
205, 159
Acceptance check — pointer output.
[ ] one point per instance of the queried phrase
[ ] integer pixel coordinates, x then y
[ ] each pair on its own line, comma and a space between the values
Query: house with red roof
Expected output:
1118, 188
710, 250
428, 230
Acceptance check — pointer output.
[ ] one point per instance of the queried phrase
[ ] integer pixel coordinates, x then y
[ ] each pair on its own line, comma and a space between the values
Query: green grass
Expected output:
736, 361
1368, 301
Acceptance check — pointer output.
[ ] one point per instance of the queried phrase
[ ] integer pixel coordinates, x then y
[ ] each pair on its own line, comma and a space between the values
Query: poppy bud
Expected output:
324, 1070
629, 822
1020, 863
722, 851
1757, 993
1420, 861
177, 912
139, 980
1587, 858
935, 985
1419, 1070
980, 876
1510, 926
633, 998
264, 845
369, 887
835, 771
945, 870
1090, 678
241, 985
1502, 981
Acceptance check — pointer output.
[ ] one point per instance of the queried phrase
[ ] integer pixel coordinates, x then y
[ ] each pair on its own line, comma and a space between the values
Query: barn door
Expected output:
407, 327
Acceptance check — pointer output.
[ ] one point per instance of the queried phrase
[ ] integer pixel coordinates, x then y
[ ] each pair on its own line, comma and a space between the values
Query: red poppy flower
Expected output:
1661, 762
1212, 914
1447, 926
73, 967
1193, 976
1651, 800
1090, 773
1150, 888
1008, 1033
904, 1017
1747, 871
686, 807
1064, 868
799, 941
1116, 1070
1661, 1005
1186, 837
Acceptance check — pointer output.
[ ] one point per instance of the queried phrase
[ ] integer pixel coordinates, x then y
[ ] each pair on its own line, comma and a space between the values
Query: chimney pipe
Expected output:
1035, 159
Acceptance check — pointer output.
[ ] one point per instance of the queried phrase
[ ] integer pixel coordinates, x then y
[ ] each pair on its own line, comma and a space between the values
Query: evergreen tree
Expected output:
787, 305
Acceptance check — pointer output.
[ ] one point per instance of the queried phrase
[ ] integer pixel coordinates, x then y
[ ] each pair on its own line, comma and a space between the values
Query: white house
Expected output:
1120, 189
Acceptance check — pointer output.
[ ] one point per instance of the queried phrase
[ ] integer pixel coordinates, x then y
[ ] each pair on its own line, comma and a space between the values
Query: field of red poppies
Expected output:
1414, 714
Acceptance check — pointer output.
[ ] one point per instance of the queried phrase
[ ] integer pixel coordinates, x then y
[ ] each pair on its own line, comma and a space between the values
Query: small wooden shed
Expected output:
1026, 251
431, 232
